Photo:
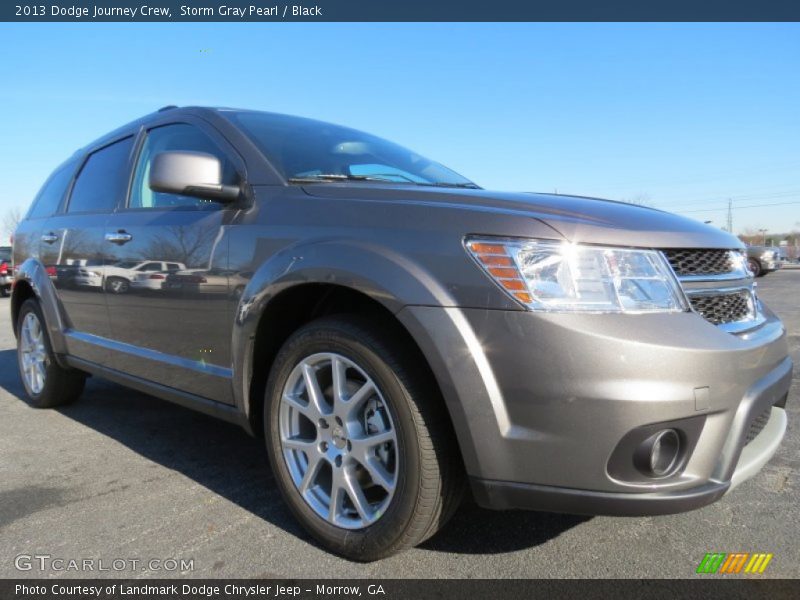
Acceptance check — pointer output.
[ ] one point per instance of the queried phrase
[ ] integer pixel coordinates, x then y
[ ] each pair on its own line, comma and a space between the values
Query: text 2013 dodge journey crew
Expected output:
393, 330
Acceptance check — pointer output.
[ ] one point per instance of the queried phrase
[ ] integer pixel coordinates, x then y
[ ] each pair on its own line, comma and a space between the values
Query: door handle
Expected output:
50, 238
119, 237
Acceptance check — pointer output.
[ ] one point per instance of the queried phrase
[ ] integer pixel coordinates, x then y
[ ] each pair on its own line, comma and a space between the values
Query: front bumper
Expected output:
504, 495
5, 281
541, 403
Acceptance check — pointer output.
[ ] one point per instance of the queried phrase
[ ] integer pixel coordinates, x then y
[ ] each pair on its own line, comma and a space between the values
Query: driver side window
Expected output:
182, 137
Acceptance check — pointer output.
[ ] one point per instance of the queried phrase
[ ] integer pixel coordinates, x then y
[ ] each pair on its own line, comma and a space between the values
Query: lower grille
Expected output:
723, 307
757, 426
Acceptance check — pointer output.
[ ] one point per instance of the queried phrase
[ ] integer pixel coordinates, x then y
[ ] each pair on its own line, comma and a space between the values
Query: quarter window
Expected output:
49, 198
102, 180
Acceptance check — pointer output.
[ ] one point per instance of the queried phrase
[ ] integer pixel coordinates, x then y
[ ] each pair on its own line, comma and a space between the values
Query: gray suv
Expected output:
395, 332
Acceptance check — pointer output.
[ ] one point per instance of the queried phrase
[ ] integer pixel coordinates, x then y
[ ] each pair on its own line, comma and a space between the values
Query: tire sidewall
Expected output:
390, 527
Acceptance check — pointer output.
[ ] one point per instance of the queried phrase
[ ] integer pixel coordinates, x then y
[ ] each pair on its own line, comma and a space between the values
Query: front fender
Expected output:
387, 277
33, 272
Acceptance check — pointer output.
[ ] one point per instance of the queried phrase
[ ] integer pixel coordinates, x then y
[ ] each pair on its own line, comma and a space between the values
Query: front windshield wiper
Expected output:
379, 177
467, 185
336, 177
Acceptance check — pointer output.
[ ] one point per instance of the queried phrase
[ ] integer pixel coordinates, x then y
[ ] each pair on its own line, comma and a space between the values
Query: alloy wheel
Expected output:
338, 440
33, 353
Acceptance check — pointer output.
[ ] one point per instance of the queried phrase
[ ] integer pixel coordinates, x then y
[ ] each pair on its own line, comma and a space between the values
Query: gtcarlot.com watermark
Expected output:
47, 562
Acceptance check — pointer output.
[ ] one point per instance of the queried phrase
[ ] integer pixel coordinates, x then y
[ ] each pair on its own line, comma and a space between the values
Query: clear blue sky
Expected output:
686, 116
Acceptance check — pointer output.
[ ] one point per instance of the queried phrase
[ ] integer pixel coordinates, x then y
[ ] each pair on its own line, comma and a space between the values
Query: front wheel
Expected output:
359, 441
755, 267
118, 285
47, 383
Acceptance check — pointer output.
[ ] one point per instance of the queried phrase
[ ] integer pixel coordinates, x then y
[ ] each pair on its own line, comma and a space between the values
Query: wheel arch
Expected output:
32, 281
298, 305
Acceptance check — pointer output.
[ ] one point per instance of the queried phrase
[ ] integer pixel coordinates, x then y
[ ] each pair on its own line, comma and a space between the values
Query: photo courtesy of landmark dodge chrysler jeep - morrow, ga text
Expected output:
398, 334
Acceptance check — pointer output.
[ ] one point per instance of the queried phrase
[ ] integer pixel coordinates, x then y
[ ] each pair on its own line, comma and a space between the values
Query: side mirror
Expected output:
191, 174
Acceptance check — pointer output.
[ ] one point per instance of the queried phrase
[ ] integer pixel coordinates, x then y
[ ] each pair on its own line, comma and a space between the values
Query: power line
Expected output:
696, 202
738, 207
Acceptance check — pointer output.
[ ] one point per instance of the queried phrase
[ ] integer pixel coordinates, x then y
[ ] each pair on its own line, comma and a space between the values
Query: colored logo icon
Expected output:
736, 562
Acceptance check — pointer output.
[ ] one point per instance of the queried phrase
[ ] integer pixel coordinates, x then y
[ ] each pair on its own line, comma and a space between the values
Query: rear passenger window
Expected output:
103, 179
49, 198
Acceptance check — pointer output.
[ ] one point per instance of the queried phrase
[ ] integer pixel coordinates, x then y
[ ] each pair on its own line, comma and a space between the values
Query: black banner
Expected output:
396, 589
400, 10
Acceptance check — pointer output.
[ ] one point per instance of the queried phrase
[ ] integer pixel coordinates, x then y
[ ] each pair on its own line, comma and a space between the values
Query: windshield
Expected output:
5, 255
304, 150
126, 264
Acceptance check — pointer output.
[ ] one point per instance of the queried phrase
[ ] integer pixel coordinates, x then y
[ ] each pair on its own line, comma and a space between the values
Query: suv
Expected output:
403, 332
762, 260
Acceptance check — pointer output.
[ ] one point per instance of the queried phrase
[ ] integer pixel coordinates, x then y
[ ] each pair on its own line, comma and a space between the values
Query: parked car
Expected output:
762, 260
152, 277
122, 276
6, 271
206, 281
402, 331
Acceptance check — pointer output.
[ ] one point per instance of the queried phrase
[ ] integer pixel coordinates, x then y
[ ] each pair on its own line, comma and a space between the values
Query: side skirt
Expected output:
231, 414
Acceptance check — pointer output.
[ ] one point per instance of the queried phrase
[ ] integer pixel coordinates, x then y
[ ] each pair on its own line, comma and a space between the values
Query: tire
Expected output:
755, 267
56, 385
118, 285
5, 292
420, 464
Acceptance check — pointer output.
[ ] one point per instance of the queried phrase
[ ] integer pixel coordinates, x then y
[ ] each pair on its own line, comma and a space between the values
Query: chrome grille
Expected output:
718, 285
724, 307
692, 263
757, 425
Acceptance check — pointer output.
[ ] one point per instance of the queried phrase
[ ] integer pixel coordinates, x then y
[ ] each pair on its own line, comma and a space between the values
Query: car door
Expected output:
74, 251
175, 337
27, 237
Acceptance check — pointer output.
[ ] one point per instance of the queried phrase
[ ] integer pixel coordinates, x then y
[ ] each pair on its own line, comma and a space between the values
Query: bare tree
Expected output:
10, 221
188, 245
750, 236
640, 199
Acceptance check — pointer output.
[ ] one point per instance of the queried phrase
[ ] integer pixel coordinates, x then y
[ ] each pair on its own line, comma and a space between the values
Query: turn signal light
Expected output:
501, 266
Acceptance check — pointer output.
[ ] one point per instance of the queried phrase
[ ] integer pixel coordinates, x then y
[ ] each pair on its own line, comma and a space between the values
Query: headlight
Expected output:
556, 276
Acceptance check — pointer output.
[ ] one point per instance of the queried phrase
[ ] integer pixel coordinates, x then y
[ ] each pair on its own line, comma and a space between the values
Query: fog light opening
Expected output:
664, 452
658, 455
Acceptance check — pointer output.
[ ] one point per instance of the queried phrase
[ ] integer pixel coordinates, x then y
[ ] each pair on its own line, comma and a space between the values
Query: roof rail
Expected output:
168, 107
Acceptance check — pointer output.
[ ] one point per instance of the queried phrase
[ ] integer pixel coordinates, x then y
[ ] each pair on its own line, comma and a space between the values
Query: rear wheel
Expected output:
46, 383
358, 440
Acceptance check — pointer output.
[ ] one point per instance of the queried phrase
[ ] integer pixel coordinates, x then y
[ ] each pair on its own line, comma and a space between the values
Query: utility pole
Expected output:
730, 216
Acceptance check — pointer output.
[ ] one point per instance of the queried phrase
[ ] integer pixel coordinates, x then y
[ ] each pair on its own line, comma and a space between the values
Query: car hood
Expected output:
578, 219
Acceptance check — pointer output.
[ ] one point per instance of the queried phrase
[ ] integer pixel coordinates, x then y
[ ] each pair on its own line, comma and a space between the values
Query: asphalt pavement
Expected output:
121, 476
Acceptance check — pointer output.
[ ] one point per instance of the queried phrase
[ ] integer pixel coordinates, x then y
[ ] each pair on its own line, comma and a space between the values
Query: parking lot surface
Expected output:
126, 477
